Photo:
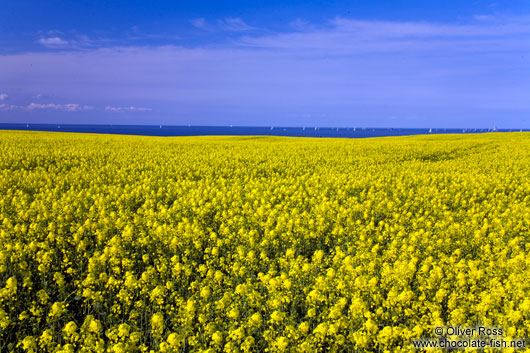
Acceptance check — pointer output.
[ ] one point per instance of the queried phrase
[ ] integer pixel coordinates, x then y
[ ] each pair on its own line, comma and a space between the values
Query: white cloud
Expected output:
127, 109
3, 96
230, 24
234, 24
78, 41
83, 40
49, 106
483, 17
54, 42
301, 25
343, 35
199, 23
7, 107
62, 107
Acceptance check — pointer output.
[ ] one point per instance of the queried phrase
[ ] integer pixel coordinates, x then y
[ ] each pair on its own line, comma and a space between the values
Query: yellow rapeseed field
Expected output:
259, 244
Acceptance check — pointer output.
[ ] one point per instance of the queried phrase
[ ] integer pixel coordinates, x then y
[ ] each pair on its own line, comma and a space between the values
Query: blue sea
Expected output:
171, 130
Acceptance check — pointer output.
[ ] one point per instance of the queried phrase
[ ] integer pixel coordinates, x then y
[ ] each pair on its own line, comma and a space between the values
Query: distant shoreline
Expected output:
190, 130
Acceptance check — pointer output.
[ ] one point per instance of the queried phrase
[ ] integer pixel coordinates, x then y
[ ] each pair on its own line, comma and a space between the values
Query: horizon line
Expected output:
269, 126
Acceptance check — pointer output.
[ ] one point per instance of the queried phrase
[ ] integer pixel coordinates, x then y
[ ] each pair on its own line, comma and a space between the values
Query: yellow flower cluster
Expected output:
259, 244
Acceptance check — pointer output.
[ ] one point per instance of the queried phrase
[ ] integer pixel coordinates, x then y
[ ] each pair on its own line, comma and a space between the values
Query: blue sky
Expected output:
283, 63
